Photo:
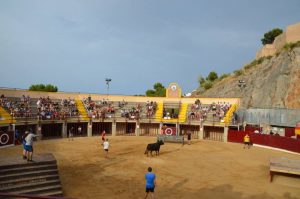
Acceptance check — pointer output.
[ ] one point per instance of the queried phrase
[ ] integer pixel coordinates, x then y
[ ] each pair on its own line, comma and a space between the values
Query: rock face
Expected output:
273, 83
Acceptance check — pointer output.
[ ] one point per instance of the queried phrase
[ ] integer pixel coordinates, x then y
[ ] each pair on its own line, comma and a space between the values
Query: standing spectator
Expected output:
28, 146
105, 147
71, 133
103, 136
247, 141
79, 130
24, 144
189, 137
17, 137
150, 182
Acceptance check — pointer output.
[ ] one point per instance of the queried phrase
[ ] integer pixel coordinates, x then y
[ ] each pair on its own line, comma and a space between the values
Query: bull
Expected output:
154, 147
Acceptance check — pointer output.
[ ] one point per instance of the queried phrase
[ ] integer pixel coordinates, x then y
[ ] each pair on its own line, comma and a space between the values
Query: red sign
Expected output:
6, 138
169, 131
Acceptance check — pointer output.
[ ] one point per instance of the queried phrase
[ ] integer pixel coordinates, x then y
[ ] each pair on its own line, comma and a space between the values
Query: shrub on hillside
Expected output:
224, 76
238, 72
290, 46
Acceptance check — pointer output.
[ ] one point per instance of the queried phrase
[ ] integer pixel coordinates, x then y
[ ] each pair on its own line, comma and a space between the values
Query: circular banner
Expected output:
4, 138
169, 131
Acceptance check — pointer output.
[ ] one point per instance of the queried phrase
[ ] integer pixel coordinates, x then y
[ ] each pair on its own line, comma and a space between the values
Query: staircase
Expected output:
39, 178
82, 110
159, 111
183, 112
228, 116
5, 117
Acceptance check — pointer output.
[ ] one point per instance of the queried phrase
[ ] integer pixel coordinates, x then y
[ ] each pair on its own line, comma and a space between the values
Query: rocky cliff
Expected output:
273, 83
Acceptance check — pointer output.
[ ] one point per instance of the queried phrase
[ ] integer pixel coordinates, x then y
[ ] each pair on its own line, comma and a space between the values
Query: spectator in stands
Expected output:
247, 141
29, 146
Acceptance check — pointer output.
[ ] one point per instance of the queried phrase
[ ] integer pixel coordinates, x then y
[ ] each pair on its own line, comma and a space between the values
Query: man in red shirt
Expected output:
103, 136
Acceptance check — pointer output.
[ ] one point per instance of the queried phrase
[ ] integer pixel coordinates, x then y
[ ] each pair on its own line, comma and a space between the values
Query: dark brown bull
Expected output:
154, 147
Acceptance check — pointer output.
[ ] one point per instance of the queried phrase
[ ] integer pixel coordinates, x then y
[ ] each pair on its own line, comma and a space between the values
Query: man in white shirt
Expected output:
28, 145
105, 147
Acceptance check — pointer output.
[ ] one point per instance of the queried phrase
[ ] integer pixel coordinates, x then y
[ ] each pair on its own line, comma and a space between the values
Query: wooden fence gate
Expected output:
214, 133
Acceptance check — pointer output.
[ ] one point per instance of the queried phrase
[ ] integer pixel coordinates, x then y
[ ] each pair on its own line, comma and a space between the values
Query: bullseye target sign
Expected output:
170, 131
6, 138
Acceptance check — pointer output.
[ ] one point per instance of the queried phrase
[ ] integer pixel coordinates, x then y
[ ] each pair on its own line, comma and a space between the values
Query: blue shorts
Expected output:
28, 148
24, 145
150, 189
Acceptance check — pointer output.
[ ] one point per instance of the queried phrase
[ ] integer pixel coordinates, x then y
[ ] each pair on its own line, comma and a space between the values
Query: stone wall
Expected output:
292, 34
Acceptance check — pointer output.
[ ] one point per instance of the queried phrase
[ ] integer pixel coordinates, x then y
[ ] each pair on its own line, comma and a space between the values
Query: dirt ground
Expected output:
205, 169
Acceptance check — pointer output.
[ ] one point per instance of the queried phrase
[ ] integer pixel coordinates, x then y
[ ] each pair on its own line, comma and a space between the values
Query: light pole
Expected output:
107, 83
242, 84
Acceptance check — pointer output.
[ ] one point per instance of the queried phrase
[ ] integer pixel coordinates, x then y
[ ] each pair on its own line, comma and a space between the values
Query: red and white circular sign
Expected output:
169, 131
4, 138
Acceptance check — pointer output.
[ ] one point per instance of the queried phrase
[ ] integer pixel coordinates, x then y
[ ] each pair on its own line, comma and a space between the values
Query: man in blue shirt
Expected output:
150, 182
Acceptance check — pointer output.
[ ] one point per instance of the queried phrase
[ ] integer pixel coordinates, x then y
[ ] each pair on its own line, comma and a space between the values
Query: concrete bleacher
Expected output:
38, 178
132, 101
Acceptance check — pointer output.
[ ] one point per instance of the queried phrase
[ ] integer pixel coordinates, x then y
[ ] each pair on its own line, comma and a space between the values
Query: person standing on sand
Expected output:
28, 146
150, 183
24, 144
103, 136
79, 130
71, 133
189, 137
247, 141
105, 147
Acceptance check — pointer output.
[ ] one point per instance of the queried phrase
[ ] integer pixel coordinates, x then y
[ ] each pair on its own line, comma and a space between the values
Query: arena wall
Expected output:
66, 95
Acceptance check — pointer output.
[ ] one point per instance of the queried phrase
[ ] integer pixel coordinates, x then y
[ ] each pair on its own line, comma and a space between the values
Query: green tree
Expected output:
42, 87
159, 91
207, 85
212, 76
201, 80
269, 37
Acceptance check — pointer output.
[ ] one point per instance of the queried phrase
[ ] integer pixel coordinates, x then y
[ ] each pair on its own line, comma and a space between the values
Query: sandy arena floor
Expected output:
205, 169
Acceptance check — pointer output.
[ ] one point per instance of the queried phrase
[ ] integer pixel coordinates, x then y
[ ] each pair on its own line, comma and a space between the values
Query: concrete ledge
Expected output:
276, 149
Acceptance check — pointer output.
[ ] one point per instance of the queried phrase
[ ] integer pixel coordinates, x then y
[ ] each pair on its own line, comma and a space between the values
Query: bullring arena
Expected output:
215, 165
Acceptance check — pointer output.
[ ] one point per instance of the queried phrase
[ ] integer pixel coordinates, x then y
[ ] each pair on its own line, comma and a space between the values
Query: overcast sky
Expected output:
76, 44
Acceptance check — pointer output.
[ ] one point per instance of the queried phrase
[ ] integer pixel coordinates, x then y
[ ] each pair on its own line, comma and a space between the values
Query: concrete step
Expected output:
16, 181
37, 183
28, 174
52, 193
29, 167
23, 164
41, 190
